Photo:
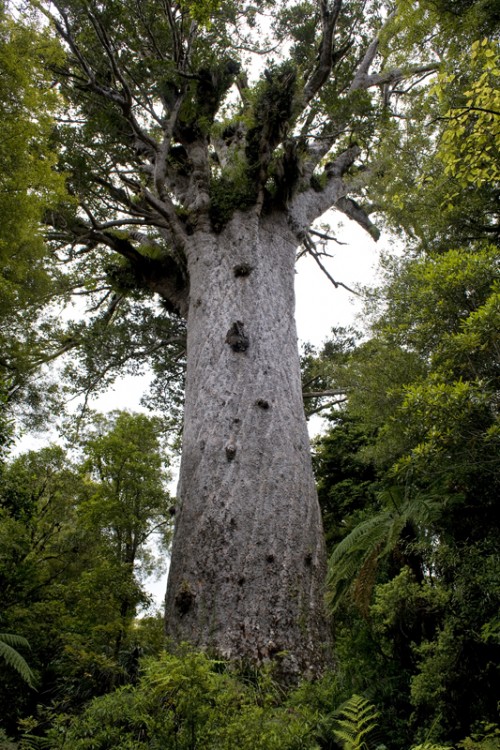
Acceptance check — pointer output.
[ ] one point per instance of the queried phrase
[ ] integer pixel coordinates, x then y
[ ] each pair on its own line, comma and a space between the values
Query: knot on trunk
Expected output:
184, 598
243, 269
262, 404
236, 337
230, 452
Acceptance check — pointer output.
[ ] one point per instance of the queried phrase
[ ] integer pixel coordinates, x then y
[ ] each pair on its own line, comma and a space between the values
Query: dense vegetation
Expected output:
407, 469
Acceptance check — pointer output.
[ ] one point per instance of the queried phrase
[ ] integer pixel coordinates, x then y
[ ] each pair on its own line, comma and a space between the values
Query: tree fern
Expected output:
359, 552
13, 658
364, 542
358, 720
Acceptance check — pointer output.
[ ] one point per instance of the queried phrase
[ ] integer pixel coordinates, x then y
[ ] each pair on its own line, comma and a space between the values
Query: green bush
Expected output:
189, 702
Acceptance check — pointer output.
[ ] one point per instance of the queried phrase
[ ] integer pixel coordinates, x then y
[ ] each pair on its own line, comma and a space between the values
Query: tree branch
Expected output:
327, 392
354, 211
310, 204
324, 236
324, 407
312, 251
329, 17
387, 77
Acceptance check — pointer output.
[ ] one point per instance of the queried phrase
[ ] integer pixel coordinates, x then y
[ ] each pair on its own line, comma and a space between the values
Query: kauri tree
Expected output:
201, 140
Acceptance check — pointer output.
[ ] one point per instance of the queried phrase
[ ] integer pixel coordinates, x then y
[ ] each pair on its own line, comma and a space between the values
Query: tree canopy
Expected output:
164, 128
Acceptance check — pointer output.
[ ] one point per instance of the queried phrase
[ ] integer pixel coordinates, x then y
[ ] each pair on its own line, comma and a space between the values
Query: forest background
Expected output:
407, 470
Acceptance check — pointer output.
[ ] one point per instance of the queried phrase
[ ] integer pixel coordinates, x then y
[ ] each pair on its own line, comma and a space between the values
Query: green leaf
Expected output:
13, 658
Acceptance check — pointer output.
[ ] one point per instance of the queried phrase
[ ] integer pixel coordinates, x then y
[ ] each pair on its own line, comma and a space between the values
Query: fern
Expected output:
348, 558
356, 557
13, 658
358, 721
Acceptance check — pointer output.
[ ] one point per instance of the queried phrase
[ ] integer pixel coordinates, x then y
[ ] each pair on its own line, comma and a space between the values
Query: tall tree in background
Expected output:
415, 580
75, 549
127, 500
29, 185
192, 181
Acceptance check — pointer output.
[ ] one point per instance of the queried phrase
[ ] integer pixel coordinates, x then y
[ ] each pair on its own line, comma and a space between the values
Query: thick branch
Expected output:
325, 56
394, 75
165, 276
311, 204
354, 211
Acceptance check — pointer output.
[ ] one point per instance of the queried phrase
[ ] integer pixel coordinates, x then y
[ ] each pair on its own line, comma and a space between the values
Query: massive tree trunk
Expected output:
247, 569
167, 159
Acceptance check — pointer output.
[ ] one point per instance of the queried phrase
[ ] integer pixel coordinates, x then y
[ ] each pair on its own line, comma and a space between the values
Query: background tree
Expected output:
29, 186
419, 565
72, 536
126, 498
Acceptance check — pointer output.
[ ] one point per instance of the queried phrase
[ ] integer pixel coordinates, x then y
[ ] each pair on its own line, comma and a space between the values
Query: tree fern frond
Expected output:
351, 554
358, 720
354, 560
364, 582
14, 640
13, 658
32, 742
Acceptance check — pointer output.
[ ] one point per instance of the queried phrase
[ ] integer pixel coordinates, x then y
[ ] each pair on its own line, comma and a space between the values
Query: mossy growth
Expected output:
229, 193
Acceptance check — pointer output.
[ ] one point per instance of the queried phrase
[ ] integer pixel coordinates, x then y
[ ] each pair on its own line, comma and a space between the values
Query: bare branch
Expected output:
323, 394
336, 284
329, 405
327, 237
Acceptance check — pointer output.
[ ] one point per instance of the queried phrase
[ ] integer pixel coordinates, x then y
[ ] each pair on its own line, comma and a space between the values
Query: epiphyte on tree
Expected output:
236, 337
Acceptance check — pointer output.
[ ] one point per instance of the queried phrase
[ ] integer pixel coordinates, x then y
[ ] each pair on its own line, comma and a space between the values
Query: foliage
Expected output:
5, 425
189, 701
29, 187
354, 561
126, 474
13, 658
357, 722
414, 573
446, 137
74, 538
6, 743
413, 564
470, 142
28, 183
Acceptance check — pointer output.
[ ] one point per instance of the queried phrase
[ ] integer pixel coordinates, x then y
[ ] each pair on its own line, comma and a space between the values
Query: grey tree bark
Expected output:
247, 568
